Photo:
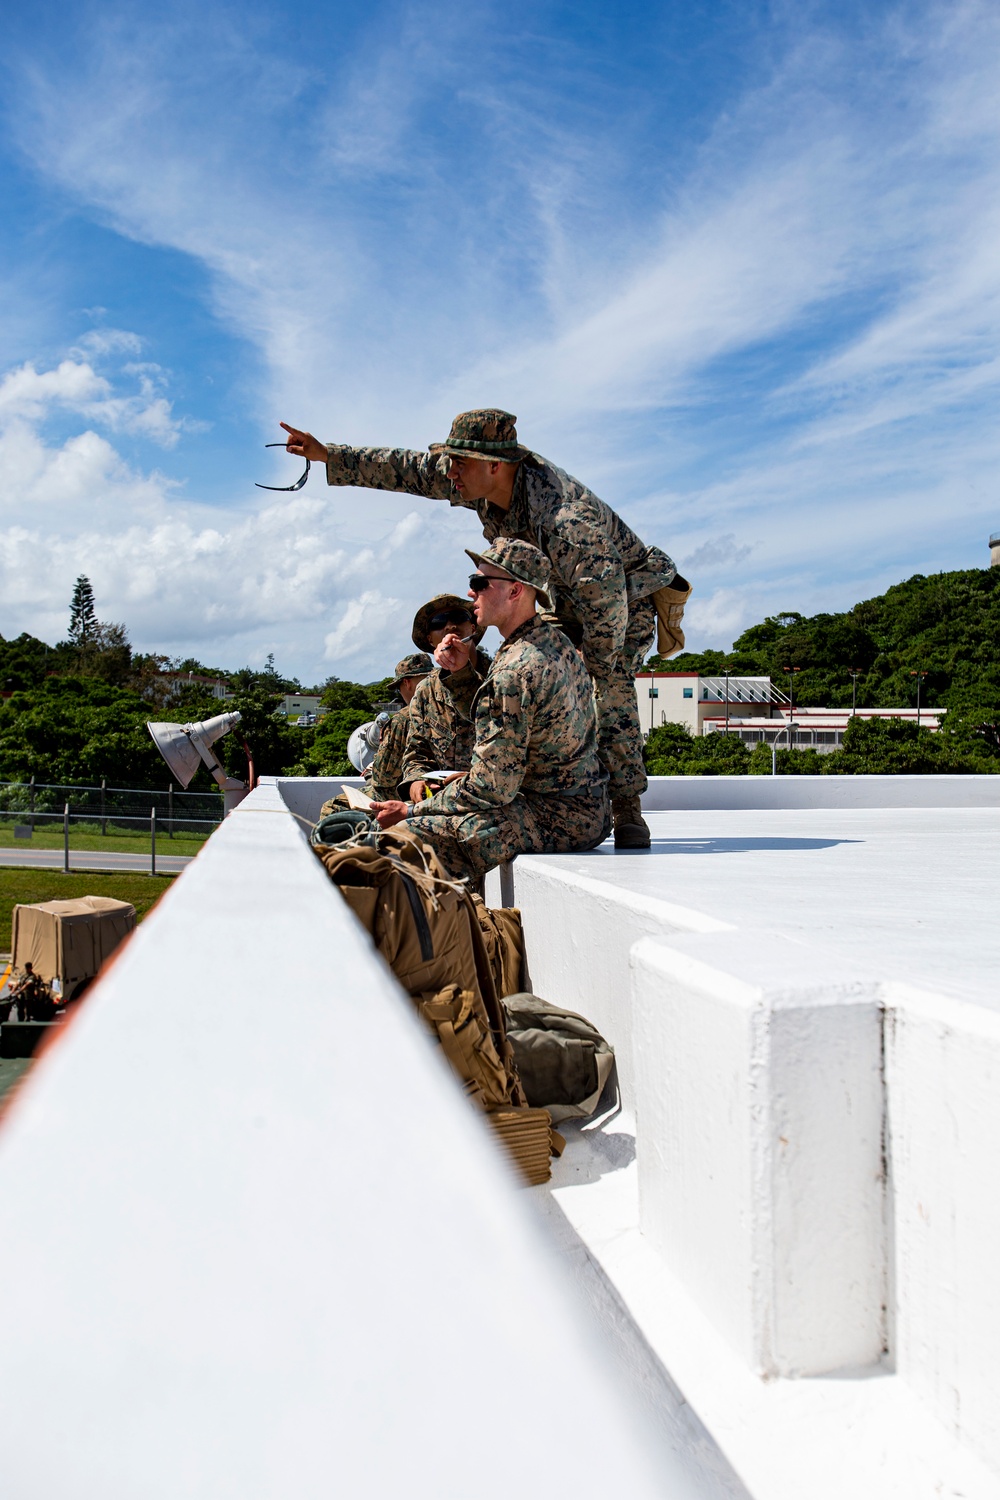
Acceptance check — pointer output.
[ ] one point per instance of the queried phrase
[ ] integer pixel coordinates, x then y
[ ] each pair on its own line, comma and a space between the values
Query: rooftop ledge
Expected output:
260, 1244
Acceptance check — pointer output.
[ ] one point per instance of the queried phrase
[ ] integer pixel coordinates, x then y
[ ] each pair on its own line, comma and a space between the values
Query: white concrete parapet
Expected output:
255, 1244
694, 793
759, 1113
943, 1102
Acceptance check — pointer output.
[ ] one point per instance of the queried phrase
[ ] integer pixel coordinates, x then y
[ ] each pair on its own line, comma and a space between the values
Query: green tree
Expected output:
671, 750
82, 612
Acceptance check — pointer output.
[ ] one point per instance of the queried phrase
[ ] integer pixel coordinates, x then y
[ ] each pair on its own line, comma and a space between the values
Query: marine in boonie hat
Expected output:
441, 604
522, 561
418, 664
488, 434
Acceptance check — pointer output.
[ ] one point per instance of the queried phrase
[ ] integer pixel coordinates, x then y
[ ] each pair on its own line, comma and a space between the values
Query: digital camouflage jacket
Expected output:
442, 733
599, 565
387, 767
536, 731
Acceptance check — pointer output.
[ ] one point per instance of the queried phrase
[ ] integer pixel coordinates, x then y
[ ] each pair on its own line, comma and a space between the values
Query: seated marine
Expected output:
441, 733
382, 779
535, 783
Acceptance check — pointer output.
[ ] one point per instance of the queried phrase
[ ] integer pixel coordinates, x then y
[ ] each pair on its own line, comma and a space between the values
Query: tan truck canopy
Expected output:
69, 940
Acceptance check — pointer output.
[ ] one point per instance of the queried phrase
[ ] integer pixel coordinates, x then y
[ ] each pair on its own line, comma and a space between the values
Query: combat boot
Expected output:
631, 832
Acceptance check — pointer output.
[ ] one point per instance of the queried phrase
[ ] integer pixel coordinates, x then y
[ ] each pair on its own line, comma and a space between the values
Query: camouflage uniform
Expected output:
603, 574
387, 767
442, 734
382, 777
535, 784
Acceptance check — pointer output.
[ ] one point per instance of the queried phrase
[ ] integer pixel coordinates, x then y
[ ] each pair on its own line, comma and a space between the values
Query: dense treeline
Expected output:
947, 626
77, 711
77, 714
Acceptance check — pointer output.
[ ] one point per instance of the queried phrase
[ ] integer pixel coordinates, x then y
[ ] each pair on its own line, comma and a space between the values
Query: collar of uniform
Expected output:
526, 628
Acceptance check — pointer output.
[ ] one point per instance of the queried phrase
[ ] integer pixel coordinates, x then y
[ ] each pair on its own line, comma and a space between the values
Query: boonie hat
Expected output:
522, 561
418, 664
440, 604
488, 434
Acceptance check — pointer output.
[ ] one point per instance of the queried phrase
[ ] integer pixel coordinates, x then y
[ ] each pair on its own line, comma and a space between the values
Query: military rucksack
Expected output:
562, 1060
429, 930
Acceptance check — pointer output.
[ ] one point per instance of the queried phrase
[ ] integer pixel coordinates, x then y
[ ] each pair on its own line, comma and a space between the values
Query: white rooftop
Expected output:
907, 892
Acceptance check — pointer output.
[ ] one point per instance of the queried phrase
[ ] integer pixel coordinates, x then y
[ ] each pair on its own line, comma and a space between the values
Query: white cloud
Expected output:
30, 395
101, 341
792, 345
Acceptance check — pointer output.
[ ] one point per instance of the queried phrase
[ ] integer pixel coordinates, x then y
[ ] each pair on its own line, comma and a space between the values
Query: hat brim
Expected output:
406, 677
419, 634
513, 456
540, 594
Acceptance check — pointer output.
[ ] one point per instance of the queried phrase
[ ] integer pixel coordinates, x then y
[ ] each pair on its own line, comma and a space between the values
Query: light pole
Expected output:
919, 676
726, 674
790, 672
854, 673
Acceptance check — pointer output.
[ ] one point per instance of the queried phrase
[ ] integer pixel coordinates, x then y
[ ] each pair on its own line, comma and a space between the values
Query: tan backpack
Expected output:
428, 929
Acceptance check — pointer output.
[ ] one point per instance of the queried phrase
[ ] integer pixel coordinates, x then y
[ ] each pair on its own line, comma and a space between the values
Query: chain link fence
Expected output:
30, 805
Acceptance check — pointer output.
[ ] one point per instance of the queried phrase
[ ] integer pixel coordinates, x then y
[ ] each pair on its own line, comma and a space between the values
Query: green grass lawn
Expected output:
49, 835
27, 887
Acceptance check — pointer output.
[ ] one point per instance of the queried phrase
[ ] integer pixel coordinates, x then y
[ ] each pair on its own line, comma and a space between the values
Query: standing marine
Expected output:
612, 591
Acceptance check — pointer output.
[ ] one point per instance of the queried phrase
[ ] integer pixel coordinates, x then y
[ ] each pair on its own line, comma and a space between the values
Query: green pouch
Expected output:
339, 826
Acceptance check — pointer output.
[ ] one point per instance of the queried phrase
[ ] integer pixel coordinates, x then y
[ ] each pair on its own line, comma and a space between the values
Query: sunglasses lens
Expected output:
450, 617
478, 583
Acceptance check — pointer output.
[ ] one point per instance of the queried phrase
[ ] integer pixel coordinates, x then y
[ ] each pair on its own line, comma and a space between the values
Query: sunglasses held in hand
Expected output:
284, 487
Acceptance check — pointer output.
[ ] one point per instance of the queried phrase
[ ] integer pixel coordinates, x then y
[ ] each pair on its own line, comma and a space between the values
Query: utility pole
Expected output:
919, 676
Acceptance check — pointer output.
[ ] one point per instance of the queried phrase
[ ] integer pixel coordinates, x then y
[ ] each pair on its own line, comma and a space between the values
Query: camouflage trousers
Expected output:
472, 843
619, 738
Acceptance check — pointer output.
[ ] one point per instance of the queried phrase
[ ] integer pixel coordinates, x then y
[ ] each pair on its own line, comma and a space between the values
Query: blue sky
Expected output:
735, 266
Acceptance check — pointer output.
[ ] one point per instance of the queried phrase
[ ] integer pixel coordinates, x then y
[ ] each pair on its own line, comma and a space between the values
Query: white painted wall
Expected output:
753, 1060
943, 1098
668, 793
759, 1110
256, 1245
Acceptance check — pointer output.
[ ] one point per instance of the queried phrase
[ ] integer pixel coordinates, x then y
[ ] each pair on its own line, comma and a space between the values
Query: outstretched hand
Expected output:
304, 445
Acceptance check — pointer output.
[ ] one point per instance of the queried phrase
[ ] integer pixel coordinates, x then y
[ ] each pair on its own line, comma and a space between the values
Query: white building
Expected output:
687, 698
294, 704
821, 729
758, 712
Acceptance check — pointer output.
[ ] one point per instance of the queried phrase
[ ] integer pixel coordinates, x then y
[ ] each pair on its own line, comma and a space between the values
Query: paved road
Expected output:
86, 859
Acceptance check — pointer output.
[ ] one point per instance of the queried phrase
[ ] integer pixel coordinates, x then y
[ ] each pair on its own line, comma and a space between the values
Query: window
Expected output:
689, 692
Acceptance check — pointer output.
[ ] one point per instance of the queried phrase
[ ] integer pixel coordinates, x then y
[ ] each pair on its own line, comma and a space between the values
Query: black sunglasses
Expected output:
479, 582
450, 617
286, 487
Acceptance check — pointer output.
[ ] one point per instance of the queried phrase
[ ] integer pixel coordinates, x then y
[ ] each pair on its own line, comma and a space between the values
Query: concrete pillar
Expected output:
759, 1125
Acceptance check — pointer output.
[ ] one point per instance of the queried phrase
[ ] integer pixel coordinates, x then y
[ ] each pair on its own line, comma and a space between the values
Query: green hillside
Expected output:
947, 625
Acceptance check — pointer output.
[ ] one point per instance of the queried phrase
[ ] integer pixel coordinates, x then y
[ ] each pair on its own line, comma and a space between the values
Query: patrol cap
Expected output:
440, 604
489, 434
522, 561
418, 664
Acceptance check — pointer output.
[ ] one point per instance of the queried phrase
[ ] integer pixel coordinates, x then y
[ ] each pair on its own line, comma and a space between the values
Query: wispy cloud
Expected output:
773, 343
